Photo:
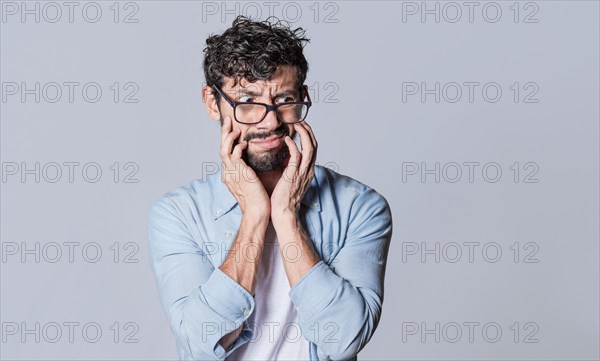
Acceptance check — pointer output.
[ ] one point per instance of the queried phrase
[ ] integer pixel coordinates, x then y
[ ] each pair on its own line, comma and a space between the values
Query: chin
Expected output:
269, 160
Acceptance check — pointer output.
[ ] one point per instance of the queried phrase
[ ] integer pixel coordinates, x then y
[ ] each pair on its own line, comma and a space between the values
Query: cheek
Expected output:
243, 134
224, 112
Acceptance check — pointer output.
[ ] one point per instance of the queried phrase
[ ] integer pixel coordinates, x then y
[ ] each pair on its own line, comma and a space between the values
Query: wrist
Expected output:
256, 215
285, 218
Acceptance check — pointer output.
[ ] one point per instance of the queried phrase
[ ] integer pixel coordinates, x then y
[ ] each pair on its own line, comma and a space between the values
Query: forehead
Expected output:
284, 77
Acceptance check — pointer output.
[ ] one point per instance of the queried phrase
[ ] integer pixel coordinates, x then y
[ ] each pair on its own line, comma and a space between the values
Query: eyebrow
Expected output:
255, 94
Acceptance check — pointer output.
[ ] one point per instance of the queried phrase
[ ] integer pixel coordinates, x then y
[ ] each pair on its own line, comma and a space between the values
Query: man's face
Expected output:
266, 149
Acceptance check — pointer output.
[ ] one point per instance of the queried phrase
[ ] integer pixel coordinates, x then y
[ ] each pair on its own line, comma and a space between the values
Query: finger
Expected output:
226, 147
225, 128
236, 160
313, 138
305, 140
293, 165
238, 149
308, 150
310, 132
295, 154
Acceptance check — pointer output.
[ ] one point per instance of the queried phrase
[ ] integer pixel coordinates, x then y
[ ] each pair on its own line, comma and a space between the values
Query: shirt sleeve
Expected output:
339, 305
201, 302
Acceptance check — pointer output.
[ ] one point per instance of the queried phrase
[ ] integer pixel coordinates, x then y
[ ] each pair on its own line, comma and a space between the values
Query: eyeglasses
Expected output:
252, 113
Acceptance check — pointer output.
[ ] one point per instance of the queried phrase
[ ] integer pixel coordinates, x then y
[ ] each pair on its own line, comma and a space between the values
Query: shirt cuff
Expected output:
246, 335
315, 289
233, 304
230, 300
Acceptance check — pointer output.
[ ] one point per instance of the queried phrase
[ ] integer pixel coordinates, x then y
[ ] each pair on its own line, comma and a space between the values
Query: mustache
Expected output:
279, 132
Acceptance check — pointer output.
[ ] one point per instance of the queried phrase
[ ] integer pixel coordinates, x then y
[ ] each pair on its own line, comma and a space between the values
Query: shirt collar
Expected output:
224, 201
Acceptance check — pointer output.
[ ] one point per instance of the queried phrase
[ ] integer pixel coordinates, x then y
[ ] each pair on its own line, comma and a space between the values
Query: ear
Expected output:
210, 102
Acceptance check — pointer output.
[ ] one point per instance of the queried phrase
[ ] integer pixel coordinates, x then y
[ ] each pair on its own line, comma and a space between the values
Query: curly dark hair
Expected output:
252, 50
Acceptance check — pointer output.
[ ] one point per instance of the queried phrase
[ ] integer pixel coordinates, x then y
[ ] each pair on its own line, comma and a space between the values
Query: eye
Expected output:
286, 99
245, 99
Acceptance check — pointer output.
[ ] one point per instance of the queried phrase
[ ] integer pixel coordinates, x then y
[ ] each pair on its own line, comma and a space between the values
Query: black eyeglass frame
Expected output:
267, 106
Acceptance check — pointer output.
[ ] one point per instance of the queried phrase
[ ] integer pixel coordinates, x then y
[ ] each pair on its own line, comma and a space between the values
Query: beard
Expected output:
267, 160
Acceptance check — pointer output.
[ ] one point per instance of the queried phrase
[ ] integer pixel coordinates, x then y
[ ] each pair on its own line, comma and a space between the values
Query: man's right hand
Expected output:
240, 179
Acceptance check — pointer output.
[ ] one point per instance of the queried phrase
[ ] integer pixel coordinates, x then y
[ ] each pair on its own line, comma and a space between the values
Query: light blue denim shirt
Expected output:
338, 301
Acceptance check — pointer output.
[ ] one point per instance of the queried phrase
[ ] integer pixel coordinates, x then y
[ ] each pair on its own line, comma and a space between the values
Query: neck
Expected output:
270, 179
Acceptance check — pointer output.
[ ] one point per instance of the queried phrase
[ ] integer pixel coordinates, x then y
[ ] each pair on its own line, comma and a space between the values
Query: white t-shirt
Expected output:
277, 334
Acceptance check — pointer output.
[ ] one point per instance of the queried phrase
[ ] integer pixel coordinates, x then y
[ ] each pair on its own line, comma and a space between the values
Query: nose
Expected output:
270, 122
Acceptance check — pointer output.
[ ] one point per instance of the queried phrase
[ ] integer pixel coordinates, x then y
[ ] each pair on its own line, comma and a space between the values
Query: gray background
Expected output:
362, 56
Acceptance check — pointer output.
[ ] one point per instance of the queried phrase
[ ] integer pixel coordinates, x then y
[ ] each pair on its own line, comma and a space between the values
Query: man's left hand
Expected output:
297, 175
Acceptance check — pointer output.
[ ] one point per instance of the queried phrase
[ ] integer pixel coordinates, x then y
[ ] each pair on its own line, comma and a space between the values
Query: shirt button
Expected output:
245, 311
218, 212
315, 205
228, 234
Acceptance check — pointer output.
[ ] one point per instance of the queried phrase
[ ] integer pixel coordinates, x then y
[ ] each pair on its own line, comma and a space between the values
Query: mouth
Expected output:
269, 142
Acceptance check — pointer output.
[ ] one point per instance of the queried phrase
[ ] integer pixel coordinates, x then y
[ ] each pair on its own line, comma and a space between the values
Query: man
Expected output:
273, 257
